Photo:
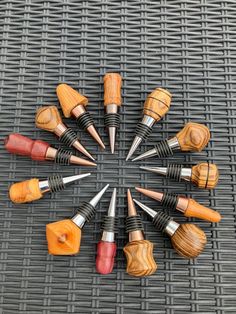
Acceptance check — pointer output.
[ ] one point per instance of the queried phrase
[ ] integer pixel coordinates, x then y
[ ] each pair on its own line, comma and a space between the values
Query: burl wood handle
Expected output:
140, 261
48, 118
112, 89
193, 137
21, 145
25, 191
157, 103
63, 237
205, 175
106, 252
197, 210
69, 98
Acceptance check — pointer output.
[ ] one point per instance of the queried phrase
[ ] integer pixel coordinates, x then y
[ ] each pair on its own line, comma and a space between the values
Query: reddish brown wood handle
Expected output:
112, 89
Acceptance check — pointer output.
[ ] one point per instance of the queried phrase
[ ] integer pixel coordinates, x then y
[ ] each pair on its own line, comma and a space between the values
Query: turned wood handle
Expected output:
63, 237
48, 118
25, 191
205, 175
21, 145
69, 98
193, 137
197, 210
140, 261
157, 103
106, 252
112, 89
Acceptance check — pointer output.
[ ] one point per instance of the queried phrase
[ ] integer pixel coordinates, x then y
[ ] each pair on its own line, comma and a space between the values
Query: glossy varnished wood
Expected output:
112, 89
48, 118
205, 175
197, 210
25, 191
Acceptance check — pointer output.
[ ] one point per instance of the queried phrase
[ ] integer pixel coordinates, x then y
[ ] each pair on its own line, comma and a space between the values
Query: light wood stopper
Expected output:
193, 137
69, 98
48, 118
157, 103
197, 210
188, 240
112, 89
140, 261
63, 237
205, 175
25, 191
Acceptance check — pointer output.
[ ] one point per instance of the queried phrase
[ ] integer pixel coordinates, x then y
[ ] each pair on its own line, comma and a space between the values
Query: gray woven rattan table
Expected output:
188, 47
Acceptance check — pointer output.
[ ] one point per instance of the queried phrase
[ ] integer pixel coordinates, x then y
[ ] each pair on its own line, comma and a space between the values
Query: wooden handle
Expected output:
197, 210
157, 103
48, 118
63, 237
205, 175
112, 89
193, 137
25, 191
188, 240
69, 98
106, 252
140, 261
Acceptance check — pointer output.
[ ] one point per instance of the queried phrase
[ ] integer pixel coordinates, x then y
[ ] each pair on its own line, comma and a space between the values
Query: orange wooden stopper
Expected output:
157, 103
48, 118
69, 98
197, 210
112, 89
25, 191
205, 175
63, 237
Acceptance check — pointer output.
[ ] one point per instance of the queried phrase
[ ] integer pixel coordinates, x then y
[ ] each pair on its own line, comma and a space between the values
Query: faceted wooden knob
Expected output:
205, 175
25, 191
197, 210
193, 137
48, 118
140, 261
63, 237
69, 98
188, 240
157, 103
112, 89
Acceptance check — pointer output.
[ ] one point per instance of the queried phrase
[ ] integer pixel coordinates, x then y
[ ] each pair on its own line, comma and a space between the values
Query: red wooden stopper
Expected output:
106, 252
21, 145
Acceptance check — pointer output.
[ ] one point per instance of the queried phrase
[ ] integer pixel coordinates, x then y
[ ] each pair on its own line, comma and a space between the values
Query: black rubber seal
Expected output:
85, 120
143, 131
161, 220
63, 157
68, 137
163, 149
174, 172
55, 183
169, 201
133, 223
112, 120
86, 210
110, 224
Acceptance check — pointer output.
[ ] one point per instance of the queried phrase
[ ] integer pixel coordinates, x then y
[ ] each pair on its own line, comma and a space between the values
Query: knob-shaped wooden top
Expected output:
112, 89
205, 175
193, 137
197, 210
140, 261
188, 240
63, 237
157, 103
25, 191
48, 118
106, 252
69, 98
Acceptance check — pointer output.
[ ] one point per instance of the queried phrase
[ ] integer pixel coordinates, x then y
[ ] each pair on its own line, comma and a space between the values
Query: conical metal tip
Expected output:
159, 170
94, 201
112, 206
131, 207
148, 154
112, 138
152, 194
81, 148
147, 209
80, 161
136, 142
93, 132
70, 179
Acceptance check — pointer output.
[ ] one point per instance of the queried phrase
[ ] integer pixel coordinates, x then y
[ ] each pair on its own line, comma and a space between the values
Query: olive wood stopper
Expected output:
205, 175
197, 210
193, 137
48, 118
112, 89
25, 191
140, 261
63, 237
69, 98
157, 103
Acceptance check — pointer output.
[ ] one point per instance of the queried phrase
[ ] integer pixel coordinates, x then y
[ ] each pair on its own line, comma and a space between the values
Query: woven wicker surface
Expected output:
188, 47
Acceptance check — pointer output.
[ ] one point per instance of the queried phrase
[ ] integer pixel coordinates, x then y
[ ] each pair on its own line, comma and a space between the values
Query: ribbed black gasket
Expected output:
143, 131
63, 157
163, 149
86, 210
174, 172
169, 201
161, 220
85, 120
112, 119
133, 223
110, 224
55, 183
68, 137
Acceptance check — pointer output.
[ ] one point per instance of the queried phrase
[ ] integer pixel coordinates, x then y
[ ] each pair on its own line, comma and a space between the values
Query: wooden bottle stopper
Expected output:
188, 240
69, 98
63, 237
205, 175
197, 210
140, 261
112, 89
193, 137
157, 103
48, 118
25, 191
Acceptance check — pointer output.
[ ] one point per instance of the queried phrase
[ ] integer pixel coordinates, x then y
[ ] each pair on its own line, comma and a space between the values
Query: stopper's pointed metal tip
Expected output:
159, 170
112, 138
147, 209
93, 132
82, 149
131, 207
148, 154
136, 142
94, 201
152, 194
112, 206
70, 179
80, 161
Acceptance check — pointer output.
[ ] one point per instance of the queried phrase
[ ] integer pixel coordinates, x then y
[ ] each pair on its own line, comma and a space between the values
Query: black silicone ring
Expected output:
68, 137
112, 120
174, 172
86, 210
110, 224
161, 220
85, 120
169, 201
63, 157
163, 149
55, 183
143, 131
133, 223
